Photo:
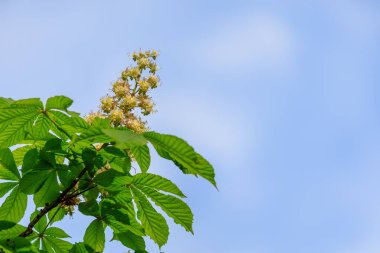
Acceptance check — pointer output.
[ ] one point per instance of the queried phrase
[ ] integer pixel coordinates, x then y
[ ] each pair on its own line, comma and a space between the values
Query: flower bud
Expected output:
152, 67
136, 125
107, 104
116, 116
129, 102
153, 81
154, 54
134, 73
120, 89
135, 56
143, 63
144, 85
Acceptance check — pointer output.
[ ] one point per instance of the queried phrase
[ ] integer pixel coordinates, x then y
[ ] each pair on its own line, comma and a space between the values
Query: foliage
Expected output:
70, 165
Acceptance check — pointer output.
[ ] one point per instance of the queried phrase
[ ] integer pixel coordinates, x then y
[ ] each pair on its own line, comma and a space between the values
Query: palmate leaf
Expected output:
92, 135
24, 245
16, 120
6, 187
175, 208
5, 101
55, 245
48, 192
32, 181
182, 154
56, 214
41, 224
58, 102
6, 225
90, 208
124, 199
56, 232
118, 218
40, 130
153, 222
117, 158
142, 156
56, 111
125, 139
8, 168
156, 182
19, 153
14, 206
130, 240
11, 232
78, 248
94, 236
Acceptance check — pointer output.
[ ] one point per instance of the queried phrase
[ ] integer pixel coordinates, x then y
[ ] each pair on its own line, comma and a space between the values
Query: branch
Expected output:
53, 204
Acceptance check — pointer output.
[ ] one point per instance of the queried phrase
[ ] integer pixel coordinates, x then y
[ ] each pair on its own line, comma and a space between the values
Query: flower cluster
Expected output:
129, 98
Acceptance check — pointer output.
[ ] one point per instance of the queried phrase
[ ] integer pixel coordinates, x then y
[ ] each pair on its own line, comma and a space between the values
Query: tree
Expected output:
69, 163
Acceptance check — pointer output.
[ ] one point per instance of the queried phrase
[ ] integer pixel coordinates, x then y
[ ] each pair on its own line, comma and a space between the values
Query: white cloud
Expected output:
258, 40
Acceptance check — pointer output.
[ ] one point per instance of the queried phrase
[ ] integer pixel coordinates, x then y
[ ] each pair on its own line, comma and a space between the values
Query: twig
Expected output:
53, 204
50, 220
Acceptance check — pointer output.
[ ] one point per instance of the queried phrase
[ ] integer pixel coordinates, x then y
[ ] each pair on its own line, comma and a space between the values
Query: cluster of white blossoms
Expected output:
130, 98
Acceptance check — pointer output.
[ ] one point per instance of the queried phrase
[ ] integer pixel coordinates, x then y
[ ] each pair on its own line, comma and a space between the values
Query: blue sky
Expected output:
281, 96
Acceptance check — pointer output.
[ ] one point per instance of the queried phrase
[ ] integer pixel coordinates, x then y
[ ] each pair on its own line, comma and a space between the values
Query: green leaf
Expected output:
30, 160
6, 187
32, 181
41, 224
56, 232
56, 214
23, 245
58, 102
37, 244
11, 232
58, 245
124, 199
153, 222
40, 130
27, 103
6, 225
48, 192
78, 248
20, 152
8, 168
90, 207
78, 121
182, 154
111, 180
156, 182
117, 158
14, 206
4, 102
92, 135
142, 156
125, 139
118, 219
63, 121
17, 119
130, 240
94, 236
175, 208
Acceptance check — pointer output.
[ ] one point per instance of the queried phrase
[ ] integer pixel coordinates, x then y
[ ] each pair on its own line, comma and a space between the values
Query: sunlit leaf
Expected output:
14, 206
153, 222
94, 236
182, 154
142, 156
